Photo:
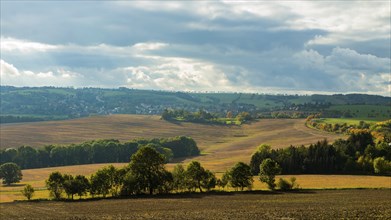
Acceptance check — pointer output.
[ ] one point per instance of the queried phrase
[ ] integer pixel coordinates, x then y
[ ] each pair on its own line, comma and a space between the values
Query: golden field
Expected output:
37, 177
221, 146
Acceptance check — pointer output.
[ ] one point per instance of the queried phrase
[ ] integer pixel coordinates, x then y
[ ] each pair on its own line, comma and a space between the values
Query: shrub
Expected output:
285, 185
28, 191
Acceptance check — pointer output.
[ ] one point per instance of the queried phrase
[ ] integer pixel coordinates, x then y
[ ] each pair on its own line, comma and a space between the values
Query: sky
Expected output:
295, 47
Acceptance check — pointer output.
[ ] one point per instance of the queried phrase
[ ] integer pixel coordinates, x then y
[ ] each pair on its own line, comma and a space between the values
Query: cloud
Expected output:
8, 69
11, 44
177, 74
199, 45
10, 75
349, 59
149, 46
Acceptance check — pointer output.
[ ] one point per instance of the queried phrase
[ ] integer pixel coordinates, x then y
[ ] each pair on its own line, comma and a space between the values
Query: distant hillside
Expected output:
48, 103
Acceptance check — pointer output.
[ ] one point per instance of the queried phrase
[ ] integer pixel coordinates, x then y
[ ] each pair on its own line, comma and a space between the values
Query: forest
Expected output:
359, 154
97, 151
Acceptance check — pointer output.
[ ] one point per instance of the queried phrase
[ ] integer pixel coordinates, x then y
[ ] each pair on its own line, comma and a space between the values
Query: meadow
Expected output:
365, 112
349, 121
310, 204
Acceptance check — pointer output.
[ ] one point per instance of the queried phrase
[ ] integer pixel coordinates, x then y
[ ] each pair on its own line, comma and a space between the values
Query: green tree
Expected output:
131, 185
195, 174
381, 165
100, 183
263, 152
365, 163
28, 191
27, 157
147, 165
268, 171
69, 185
241, 176
81, 184
166, 152
166, 180
58, 156
168, 114
179, 178
76, 185
10, 173
115, 178
209, 181
224, 179
243, 116
55, 184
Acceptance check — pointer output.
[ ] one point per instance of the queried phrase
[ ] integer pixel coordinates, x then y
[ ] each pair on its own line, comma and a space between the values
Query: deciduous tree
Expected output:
240, 176
268, 171
179, 178
195, 174
10, 173
55, 184
209, 181
147, 165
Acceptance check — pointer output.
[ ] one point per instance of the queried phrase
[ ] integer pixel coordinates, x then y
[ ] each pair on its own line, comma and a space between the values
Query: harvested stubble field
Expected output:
221, 146
317, 204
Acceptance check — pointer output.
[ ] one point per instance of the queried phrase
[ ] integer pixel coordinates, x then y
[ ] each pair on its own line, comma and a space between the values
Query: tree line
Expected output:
359, 154
96, 151
15, 119
202, 116
381, 131
146, 174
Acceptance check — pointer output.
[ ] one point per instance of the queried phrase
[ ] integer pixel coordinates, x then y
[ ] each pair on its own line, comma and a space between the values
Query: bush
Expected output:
28, 191
285, 185
382, 166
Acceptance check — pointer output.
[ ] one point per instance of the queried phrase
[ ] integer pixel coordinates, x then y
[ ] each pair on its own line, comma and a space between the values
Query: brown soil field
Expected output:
315, 204
221, 146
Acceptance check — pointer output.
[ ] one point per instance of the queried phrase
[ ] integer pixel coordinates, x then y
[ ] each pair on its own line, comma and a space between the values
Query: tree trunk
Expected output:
199, 186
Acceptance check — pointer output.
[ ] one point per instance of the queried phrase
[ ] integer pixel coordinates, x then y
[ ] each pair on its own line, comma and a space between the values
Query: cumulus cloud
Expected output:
199, 45
10, 75
11, 44
349, 59
177, 74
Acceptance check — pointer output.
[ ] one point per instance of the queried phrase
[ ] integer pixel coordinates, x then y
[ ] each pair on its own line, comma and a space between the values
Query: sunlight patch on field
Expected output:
37, 177
348, 121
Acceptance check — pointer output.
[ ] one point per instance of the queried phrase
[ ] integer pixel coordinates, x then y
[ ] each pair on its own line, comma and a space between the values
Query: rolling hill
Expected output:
51, 103
221, 146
